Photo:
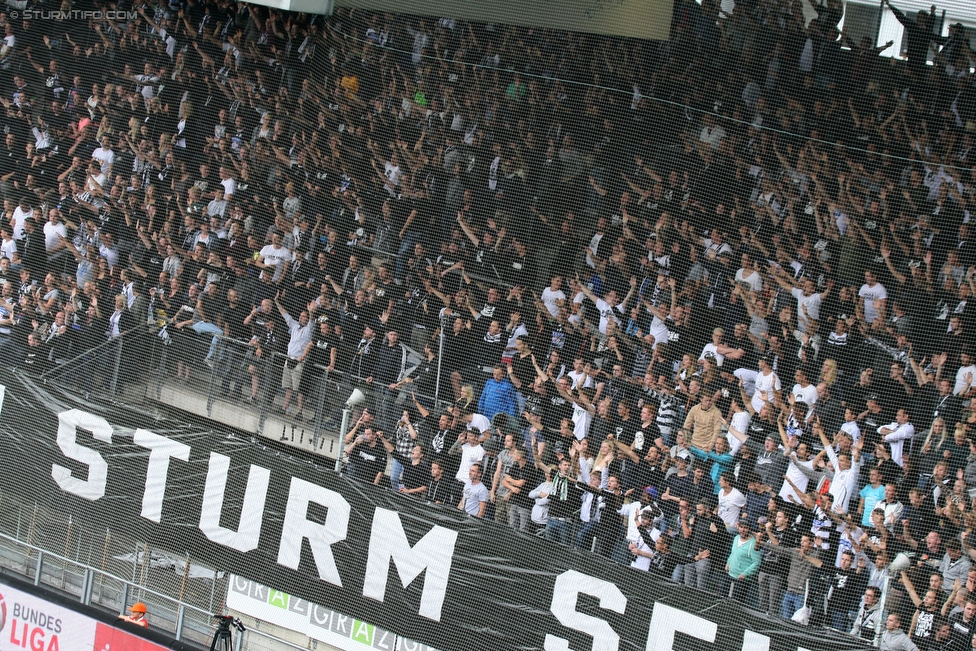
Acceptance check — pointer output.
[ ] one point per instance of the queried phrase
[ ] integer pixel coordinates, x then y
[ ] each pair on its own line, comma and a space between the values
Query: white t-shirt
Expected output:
111, 255
712, 136
470, 455
606, 313
961, 378
870, 296
754, 280
8, 250
51, 232
479, 422
101, 179
278, 257
216, 208
230, 187
146, 86
729, 506
812, 303
713, 349
581, 422
797, 477
640, 561
807, 395
740, 423
550, 297
659, 330
629, 511
592, 248
104, 156
19, 218
8, 45
580, 379
766, 384
852, 429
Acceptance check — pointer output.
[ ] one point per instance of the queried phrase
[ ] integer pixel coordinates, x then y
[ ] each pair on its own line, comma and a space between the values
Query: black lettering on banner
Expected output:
406, 567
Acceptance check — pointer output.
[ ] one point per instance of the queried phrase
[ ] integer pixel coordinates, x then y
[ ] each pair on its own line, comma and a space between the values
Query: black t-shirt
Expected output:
625, 431
355, 320
9, 160
524, 370
425, 378
961, 632
453, 280
483, 261
924, 633
556, 408
212, 306
644, 437
643, 475
494, 312
322, 347
368, 461
489, 350
678, 486
847, 588
518, 270
527, 473
775, 561
414, 475
269, 330
233, 318
726, 392
401, 210
681, 341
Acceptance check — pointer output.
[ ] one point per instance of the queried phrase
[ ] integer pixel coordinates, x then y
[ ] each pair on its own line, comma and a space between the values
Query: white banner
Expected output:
28, 622
315, 621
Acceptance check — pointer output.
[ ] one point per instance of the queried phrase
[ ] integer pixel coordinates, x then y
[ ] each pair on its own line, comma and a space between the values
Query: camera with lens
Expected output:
226, 621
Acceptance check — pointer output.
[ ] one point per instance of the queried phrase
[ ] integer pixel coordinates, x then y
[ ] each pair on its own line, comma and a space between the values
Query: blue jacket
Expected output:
498, 396
720, 463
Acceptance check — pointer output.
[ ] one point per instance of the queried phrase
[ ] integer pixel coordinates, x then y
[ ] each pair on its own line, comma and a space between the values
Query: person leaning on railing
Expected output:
137, 616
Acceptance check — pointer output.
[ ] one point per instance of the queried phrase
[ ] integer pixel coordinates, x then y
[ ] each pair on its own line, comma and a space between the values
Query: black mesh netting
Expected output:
725, 279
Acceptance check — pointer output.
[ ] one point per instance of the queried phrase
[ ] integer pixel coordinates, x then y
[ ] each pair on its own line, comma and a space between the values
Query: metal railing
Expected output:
94, 587
114, 594
239, 380
141, 367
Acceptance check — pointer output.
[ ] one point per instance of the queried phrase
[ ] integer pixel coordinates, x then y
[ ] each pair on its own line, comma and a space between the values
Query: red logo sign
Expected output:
115, 639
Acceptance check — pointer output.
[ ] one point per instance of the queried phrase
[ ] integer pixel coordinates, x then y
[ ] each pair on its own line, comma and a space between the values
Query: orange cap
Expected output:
138, 607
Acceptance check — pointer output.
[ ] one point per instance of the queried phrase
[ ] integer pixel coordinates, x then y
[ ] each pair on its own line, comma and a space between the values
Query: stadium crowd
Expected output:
703, 306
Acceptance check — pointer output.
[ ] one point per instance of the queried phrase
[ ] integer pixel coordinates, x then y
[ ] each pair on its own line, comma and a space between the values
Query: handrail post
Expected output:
113, 385
319, 408
343, 427
86, 591
39, 567
879, 625
179, 621
440, 358
211, 397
